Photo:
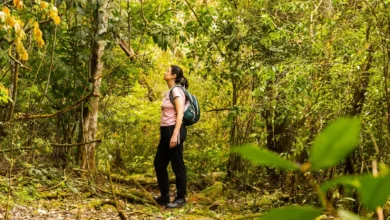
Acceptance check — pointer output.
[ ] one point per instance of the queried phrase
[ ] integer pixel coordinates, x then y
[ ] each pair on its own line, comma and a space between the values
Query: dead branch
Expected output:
120, 212
110, 202
59, 184
55, 195
129, 180
128, 50
129, 197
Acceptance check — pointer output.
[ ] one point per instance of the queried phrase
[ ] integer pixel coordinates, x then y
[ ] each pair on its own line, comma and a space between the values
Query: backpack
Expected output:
192, 113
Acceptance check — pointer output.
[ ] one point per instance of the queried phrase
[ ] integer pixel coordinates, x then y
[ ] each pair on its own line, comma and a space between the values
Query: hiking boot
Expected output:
161, 200
176, 203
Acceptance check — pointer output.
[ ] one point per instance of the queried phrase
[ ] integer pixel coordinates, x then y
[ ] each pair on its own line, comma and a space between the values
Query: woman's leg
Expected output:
178, 167
161, 161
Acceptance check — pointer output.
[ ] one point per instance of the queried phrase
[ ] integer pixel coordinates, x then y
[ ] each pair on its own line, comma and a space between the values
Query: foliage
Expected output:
3, 94
268, 73
293, 212
263, 157
335, 142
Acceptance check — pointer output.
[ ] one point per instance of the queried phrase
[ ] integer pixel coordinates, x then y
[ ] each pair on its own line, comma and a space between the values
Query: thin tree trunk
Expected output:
91, 107
234, 159
14, 91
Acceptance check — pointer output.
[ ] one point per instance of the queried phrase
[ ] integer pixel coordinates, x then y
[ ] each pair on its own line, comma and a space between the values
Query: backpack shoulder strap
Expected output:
171, 93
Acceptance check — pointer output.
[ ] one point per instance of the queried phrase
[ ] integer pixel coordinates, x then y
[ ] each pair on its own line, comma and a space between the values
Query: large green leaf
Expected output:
335, 143
293, 213
341, 180
264, 157
374, 190
345, 215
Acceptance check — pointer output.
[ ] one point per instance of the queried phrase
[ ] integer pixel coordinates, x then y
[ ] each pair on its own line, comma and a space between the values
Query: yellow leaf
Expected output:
19, 6
10, 21
55, 17
19, 45
37, 33
44, 4
24, 56
57, 20
40, 42
3, 89
6, 11
20, 49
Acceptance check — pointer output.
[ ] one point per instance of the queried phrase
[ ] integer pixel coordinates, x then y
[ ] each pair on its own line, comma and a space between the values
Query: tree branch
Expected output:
75, 144
219, 109
142, 13
197, 18
27, 116
16, 149
128, 50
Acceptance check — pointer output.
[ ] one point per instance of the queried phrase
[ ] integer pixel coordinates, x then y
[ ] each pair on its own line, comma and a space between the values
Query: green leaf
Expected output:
335, 143
292, 213
345, 215
374, 190
155, 31
341, 180
264, 157
72, 189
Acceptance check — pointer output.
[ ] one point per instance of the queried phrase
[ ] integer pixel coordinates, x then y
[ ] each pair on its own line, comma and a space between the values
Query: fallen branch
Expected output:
57, 185
129, 180
129, 197
132, 180
55, 195
113, 203
120, 212
148, 195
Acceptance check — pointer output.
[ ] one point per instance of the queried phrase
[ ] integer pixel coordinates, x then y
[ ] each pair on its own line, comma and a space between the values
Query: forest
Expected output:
294, 100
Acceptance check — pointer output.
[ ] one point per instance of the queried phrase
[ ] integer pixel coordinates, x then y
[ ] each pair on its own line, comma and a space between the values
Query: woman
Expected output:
172, 136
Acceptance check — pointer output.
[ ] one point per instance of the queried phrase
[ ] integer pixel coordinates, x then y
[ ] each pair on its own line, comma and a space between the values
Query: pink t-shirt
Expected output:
168, 111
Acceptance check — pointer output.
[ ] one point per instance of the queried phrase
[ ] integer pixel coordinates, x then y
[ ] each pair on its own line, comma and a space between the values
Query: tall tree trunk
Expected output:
91, 108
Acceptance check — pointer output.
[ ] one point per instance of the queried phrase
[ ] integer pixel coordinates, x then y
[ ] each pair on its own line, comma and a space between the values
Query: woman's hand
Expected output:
173, 142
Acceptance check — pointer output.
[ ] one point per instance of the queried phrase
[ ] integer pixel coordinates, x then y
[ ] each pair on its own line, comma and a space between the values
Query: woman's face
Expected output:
168, 74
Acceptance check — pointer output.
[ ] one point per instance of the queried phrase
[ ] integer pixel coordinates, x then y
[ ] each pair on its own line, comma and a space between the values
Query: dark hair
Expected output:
180, 79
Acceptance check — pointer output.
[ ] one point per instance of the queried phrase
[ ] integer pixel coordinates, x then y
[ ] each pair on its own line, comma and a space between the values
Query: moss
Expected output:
25, 194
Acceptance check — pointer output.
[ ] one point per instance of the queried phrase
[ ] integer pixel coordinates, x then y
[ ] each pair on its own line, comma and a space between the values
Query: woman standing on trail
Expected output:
172, 136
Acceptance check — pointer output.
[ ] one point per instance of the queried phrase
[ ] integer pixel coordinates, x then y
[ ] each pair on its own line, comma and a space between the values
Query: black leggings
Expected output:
175, 156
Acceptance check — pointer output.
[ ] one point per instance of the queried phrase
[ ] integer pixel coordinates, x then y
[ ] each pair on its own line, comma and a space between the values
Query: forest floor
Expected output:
42, 195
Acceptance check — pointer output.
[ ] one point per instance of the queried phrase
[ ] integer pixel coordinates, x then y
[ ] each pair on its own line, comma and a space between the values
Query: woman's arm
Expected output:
179, 106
